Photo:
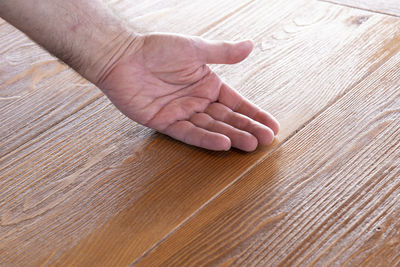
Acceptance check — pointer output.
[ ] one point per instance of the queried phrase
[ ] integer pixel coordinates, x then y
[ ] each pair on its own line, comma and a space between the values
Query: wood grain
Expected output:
92, 187
182, 189
330, 195
389, 7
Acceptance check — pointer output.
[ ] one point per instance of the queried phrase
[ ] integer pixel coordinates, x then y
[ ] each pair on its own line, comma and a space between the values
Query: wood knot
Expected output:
358, 20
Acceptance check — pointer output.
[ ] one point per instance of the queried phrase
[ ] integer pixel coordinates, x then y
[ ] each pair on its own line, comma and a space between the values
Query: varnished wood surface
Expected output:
331, 194
83, 185
390, 7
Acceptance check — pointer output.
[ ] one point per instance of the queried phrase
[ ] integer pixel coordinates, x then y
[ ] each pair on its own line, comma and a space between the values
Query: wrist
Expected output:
105, 52
101, 38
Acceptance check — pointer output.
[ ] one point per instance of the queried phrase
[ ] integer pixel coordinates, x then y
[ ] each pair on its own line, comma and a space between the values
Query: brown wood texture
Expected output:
330, 195
83, 185
390, 7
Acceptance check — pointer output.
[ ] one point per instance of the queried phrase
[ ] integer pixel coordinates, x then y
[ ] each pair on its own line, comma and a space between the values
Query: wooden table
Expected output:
83, 185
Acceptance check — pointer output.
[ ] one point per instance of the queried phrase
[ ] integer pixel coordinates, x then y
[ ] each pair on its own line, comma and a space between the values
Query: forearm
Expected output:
85, 34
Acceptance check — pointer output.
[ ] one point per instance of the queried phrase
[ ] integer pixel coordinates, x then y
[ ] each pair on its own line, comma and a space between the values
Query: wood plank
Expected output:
330, 195
389, 7
162, 183
37, 91
172, 15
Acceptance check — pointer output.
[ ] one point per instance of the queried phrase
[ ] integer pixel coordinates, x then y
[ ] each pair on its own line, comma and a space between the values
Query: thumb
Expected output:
223, 52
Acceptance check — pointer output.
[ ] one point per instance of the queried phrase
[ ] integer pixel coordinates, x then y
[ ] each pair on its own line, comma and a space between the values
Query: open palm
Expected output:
163, 82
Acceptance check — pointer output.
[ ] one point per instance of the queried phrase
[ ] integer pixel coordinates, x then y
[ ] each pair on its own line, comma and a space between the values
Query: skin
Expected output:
159, 80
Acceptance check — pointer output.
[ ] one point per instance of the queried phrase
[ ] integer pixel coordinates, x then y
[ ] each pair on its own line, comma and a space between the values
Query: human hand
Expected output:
162, 81
159, 80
